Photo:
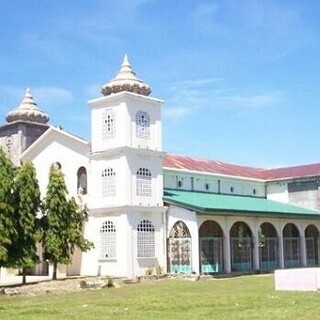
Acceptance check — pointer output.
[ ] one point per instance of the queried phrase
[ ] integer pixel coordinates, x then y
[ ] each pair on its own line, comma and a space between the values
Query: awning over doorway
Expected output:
213, 203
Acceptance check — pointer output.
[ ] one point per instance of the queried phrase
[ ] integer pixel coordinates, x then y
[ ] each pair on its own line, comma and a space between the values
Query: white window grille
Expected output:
145, 239
108, 177
108, 124
107, 240
142, 125
143, 182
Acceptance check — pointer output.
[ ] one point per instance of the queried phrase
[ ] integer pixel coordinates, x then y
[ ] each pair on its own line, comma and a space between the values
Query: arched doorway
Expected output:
241, 247
268, 247
291, 246
179, 249
312, 245
82, 181
211, 247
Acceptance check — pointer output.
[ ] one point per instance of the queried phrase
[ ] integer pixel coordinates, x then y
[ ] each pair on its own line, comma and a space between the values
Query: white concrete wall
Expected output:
216, 183
92, 264
119, 164
126, 263
60, 149
154, 164
278, 191
139, 266
125, 106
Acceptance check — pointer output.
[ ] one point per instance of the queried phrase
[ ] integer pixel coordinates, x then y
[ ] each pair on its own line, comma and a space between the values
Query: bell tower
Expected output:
126, 170
25, 124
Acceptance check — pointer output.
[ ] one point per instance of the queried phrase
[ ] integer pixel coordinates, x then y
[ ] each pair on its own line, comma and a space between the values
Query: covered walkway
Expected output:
227, 233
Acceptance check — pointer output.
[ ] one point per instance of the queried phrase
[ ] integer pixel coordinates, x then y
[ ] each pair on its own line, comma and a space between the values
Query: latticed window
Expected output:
143, 182
107, 240
108, 177
108, 124
142, 125
145, 239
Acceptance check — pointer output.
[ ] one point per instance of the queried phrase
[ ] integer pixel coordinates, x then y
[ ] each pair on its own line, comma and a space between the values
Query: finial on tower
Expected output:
126, 80
27, 111
126, 61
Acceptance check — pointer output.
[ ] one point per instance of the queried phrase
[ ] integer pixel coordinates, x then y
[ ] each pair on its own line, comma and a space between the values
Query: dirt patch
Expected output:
88, 283
63, 285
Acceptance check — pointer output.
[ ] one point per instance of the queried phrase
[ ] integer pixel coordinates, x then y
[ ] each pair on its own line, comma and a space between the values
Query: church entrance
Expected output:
179, 249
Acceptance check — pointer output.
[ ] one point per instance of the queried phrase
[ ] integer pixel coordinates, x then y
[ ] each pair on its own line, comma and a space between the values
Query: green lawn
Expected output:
246, 297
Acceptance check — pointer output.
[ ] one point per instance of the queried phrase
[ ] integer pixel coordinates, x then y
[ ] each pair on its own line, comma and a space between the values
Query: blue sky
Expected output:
240, 78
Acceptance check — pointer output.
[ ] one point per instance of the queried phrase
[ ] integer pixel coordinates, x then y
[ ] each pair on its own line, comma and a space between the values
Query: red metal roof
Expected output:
292, 172
210, 166
218, 167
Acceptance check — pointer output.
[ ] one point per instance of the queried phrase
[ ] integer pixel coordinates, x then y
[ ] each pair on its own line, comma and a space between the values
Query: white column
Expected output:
255, 241
280, 252
227, 252
195, 254
303, 254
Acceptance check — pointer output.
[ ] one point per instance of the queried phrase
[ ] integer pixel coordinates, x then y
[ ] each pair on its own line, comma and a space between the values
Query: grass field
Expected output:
246, 297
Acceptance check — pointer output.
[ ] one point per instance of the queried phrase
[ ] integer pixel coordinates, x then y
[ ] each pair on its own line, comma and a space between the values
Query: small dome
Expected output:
126, 80
27, 111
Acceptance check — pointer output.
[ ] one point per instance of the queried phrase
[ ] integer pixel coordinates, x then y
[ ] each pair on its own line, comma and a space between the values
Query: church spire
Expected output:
27, 111
126, 80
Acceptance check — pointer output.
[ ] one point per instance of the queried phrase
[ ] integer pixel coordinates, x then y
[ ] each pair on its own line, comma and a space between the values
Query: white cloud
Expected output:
195, 82
101, 23
52, 46
254, 100
176, 112
268, 30
43, 94
52, 95
187, 98
204, 16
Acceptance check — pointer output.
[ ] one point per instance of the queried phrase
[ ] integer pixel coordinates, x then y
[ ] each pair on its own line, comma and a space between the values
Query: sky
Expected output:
240, 78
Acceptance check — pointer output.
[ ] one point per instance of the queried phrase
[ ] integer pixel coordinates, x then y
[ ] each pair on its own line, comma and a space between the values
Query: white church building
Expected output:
149, 209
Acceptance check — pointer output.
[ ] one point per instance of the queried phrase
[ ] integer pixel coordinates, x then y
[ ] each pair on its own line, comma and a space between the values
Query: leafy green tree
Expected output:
62, 222
7, 231
23, 251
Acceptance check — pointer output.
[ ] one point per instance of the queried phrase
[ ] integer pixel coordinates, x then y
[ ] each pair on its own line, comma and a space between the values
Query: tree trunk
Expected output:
24, 276
55, 266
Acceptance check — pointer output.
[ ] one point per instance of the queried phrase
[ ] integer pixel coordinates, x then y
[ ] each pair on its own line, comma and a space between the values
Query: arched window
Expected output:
82, 180
142, 125
312, 245
143, 182
57, 165
241, 247
108, 177
145, 239
107, 240
268, 246
108, 124
291, 246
